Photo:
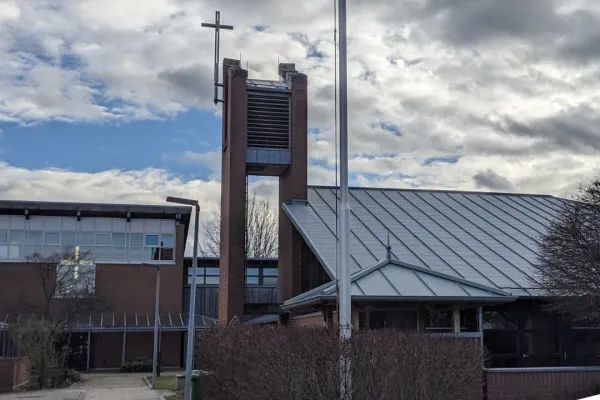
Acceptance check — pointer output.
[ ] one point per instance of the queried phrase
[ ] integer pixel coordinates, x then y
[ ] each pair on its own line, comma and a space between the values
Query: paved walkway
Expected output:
96, 387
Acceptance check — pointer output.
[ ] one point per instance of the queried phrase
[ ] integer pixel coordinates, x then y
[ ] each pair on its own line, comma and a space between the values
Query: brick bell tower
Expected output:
264, 134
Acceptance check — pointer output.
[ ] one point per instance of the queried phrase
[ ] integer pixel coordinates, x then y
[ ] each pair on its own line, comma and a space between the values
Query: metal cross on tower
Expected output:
217, 27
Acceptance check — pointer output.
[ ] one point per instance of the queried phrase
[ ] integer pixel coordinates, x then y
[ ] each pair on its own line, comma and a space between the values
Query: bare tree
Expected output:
262, 228
67, 279
568, 265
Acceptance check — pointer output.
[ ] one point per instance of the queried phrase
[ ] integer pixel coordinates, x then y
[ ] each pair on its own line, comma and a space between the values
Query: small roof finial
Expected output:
388, 247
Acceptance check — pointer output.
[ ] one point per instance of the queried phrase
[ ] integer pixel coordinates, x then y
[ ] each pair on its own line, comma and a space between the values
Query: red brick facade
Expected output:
293, 186
233, 189
311, 320
545, 384
119, 289
14, 373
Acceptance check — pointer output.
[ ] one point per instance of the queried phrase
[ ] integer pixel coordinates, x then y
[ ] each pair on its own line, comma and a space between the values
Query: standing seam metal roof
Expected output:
490, 239
392, 278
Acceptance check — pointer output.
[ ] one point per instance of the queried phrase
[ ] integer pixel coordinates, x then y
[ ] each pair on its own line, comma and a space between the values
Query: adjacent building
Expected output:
123, 245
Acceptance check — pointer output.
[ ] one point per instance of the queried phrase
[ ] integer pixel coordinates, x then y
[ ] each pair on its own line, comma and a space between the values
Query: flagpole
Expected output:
344, 270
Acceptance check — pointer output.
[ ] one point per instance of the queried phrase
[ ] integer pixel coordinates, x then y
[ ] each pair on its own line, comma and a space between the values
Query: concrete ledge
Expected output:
544, 369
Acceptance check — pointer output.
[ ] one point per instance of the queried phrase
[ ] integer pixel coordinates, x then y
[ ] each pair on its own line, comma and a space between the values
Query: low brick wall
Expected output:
14, 373
542, 383
313, 319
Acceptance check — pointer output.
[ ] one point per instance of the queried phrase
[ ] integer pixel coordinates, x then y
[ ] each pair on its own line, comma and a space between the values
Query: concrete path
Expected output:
96, 387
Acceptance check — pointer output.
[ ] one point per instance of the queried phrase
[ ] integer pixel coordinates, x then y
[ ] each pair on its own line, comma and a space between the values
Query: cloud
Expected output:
488, 179
495, 85
146, 186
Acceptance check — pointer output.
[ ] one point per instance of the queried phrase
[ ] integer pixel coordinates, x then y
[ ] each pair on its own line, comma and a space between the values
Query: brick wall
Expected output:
14, 373
233, 187
293, 186
313, 320
540, 383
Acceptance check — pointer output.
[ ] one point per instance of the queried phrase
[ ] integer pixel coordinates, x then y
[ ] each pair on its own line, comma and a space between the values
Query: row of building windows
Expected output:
100, 239
254, 276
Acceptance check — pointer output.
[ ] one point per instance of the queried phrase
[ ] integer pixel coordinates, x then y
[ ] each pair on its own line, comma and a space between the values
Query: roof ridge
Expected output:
458, 191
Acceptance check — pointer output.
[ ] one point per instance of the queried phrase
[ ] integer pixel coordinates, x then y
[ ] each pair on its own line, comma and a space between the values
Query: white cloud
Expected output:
426, 79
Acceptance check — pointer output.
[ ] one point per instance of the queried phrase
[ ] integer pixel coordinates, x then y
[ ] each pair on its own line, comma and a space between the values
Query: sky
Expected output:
111, 100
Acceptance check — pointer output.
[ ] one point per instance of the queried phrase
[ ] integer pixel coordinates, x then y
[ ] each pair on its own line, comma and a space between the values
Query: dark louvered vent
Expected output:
268, 119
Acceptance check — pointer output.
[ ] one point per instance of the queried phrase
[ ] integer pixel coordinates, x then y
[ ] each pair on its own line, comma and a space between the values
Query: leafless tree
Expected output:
262, 227
568, 265
67, 280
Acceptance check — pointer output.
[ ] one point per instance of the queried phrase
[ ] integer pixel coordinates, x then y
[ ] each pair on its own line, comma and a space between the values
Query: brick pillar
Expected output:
292, 186
233, 187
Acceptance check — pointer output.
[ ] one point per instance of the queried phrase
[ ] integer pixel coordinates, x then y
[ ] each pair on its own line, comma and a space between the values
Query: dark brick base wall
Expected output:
562, 384
106, 350
14, 373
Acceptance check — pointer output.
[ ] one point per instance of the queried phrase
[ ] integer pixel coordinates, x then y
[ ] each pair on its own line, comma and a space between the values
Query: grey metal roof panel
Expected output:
486, 238
396, 280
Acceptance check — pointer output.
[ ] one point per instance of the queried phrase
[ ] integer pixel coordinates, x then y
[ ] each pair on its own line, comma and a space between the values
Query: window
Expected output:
270, 276
151, 240
252, 276
102, 239
52, 238
204, 276
261, 276
75, 280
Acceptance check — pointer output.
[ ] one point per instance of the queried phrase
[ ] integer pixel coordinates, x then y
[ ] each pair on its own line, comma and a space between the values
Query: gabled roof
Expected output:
389, 279
490, 239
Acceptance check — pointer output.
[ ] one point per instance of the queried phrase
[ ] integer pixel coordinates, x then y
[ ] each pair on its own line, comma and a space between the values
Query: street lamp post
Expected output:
189, 361
156, 303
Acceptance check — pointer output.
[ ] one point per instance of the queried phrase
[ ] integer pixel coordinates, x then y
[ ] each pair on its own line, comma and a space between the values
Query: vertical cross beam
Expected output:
217, 27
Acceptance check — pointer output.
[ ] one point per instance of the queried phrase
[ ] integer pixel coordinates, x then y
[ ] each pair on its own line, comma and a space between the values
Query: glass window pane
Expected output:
117, 253
148, 253
199, 271
102, 239
270, 271
199, 280
155, 253
34, 250
35, 237
136, 253
270, 280
167, 241
212, 271
118, 239
136, 239
166, 254
212, 280
252, 280
52, 238
3, 236
102, 253
17, 237
252, 271
68, 239
151, 240
3, 251
87, 238
50, 250
16, 252
86, 252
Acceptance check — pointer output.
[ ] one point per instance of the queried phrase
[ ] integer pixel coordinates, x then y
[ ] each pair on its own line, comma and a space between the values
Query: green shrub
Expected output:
137, 365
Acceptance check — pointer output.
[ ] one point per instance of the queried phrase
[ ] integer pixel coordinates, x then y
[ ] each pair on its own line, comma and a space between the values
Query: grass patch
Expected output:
165, 382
